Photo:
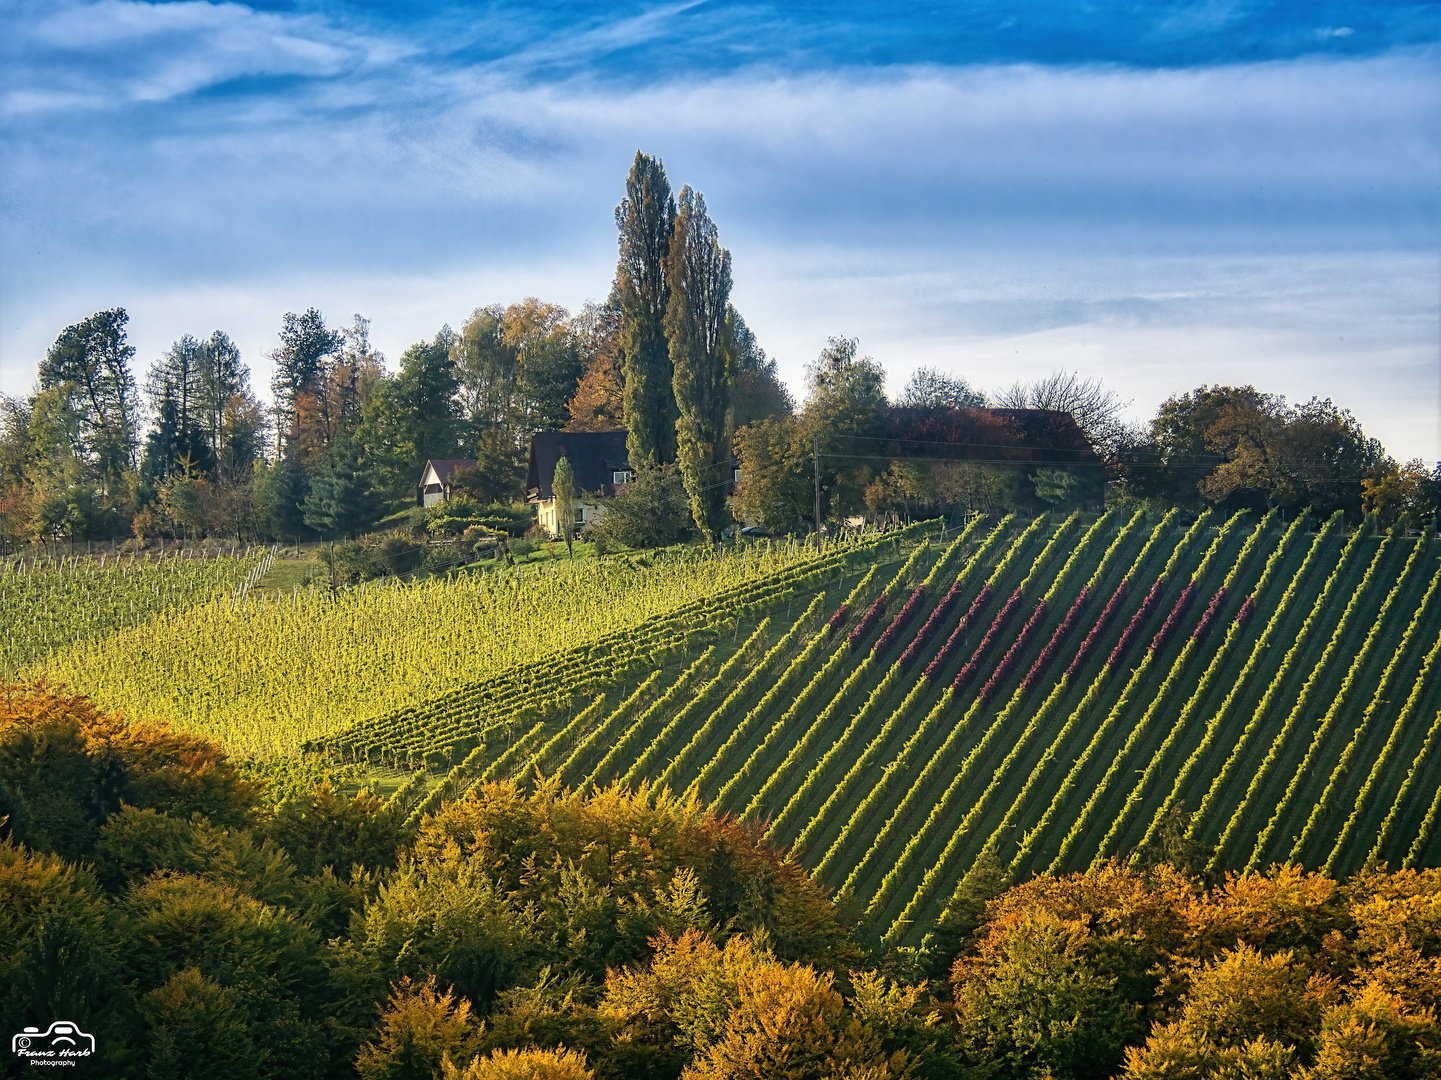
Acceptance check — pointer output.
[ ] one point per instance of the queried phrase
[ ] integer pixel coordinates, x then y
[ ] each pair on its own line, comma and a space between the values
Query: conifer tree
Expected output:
698, 271
339, 500
645, 218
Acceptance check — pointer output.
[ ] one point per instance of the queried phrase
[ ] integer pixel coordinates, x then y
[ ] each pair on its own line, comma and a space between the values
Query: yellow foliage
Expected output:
559, 1064
789, 1023
1376, 1037
1286, 908
690, 984
419, 1029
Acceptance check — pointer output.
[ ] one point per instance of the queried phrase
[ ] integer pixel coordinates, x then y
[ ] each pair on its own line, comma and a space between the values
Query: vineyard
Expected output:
262, 672
899, 708
1042, 694
49, 605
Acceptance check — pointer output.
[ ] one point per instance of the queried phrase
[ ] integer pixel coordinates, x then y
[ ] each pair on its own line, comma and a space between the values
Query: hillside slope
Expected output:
1048, 694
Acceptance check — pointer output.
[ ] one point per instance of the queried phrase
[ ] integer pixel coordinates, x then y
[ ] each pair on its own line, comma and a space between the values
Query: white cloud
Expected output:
113, 53
1253, 223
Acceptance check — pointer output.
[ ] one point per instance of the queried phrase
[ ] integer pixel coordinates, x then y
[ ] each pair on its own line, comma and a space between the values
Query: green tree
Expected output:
645, 219
562, 486
1059, 486
776, 488
424, 397
339, 502
257, 971
326, 829
412, 417
698, 273
419, 1028
549, 363
198, 1030
306, 344
488, 368
757, 393
843, 419
650, 511
89, 366
281, 491
446, 920
57, 951
518, 367
1034, 1003
931, 388
223, 379
179, 444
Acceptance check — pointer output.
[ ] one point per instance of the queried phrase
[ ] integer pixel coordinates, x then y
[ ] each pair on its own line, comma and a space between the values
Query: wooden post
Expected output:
816, 468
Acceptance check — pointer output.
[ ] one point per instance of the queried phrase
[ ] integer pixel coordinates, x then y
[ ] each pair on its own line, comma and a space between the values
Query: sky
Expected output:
1159, 195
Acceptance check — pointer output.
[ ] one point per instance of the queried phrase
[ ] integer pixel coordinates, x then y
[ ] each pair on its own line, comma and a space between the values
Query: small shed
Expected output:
434, 486
599, 462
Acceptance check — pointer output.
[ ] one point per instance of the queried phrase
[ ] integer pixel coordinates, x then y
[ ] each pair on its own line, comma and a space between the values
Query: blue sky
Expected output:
1160, 194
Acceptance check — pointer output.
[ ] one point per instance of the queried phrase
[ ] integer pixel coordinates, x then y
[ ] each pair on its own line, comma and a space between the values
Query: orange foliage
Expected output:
635, 843
161, 768
598, 403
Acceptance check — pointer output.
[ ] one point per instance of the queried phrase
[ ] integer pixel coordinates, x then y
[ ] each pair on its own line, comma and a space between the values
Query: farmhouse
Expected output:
434, 483
599, 462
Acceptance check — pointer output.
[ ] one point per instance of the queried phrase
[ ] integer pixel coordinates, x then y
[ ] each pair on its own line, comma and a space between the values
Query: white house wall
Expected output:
546, 517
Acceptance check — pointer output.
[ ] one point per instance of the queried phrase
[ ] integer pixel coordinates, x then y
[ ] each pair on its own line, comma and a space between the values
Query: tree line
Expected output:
192, 451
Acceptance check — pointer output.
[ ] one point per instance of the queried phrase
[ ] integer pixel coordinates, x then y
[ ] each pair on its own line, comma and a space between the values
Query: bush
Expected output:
454, 517
353, 564
441, 558
65, 767
475, 541
651, 511
398, 554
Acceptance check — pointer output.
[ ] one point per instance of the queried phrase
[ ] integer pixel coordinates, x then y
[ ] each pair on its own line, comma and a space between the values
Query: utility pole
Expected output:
816, 468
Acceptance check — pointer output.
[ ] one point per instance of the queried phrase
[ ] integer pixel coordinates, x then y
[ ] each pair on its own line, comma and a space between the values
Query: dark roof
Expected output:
996, 435
593, 456
445, 466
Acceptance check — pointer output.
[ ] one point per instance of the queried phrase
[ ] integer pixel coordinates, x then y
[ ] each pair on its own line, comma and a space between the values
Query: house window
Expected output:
580, 515
620, 476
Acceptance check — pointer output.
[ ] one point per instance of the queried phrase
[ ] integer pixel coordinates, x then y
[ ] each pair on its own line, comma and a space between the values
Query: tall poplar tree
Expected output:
645, 218
698, 271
